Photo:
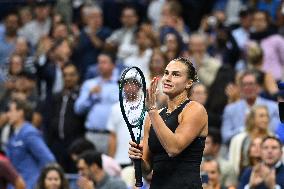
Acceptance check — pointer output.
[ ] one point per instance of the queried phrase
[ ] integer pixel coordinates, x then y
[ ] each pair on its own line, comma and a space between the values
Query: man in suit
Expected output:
26, 148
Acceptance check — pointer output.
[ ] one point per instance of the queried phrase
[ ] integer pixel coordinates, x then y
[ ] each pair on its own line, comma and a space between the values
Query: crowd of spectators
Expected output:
60, 63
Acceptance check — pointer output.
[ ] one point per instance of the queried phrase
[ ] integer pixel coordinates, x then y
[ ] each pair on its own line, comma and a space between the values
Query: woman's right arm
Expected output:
142, 152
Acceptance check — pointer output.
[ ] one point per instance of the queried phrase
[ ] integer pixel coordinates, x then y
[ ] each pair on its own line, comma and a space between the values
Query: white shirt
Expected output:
117, 125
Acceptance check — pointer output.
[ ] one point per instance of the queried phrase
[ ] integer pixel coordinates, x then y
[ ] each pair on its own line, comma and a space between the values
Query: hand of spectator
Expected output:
3, 119
44, 45
84, 183
269, 178
96, 89
75, 30
233, 92
256, 177
204, 24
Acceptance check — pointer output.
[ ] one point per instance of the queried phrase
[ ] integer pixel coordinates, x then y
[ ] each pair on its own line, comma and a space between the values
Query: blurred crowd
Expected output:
60, 63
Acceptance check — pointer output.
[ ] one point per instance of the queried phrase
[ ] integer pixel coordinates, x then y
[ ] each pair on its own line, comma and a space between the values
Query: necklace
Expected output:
169, 112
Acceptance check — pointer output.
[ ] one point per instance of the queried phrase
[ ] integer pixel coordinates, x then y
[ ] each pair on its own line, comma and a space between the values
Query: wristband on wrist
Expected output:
151, 108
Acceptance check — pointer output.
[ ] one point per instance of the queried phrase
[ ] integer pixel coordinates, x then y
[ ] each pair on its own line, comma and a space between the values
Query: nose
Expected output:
168, 77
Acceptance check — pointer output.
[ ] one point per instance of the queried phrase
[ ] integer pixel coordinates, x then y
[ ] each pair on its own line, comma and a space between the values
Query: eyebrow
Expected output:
175, 71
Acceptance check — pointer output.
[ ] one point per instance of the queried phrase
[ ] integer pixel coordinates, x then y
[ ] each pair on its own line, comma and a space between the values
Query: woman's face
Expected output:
261, 119
171, 42
199, 94
175, 79
16, 65
52, 180
254, 150
157, 63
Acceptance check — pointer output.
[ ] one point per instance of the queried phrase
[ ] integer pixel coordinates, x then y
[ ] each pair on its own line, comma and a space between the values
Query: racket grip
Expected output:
138, 172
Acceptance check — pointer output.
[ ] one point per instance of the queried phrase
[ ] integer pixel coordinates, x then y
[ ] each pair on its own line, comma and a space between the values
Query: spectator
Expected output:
257, 123
271, 43
198, 93
25, 14
119, 135
81, 145
212, 74
268, 84
40, 26
60, 30
142, 56
91, 39
52, 177
65, 125
170, 18
26, 148
8, 38
92, 174
49, 68
271, 7
172, 45
9, 175
123, 39
270, 172
241, 34
212, 148
23, 48
254, 151
157, 66
212, 169
235, 113
95, 100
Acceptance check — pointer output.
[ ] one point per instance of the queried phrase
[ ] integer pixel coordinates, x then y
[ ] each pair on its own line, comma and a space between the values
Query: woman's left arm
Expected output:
193, 121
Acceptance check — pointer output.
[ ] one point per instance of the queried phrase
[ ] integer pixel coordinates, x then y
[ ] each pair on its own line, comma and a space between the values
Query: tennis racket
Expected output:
132, 95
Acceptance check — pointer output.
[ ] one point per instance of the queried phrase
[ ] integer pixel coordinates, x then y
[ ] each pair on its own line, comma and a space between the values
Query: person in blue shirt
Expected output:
96, 97
26, 148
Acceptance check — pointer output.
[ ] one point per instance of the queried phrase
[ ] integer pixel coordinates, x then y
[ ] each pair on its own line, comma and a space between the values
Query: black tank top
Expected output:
182, 171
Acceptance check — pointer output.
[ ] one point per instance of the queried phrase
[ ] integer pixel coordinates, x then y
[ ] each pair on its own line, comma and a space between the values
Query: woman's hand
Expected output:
151, 97
135, 151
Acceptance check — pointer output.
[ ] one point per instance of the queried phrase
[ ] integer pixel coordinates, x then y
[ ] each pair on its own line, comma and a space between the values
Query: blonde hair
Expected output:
254, 54
250, 120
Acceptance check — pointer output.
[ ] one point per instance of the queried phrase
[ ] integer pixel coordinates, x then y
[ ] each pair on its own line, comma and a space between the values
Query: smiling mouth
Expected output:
167, 86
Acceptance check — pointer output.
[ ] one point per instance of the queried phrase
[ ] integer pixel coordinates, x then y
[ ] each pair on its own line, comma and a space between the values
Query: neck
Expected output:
258, 133
18, 124
174, 102
216, 185
107, 76
10, 37
251, 101
141, 51
99, 176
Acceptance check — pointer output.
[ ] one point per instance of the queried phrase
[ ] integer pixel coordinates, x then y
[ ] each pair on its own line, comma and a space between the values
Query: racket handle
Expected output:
138, 172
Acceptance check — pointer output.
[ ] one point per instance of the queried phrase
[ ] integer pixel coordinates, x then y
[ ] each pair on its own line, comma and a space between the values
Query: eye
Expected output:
166, 72
176, 74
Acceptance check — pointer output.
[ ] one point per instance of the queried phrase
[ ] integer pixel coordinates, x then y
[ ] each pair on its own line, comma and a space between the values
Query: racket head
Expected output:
132, 96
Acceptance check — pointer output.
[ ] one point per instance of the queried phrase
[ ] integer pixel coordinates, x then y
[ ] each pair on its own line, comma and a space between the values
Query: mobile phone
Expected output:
204, 178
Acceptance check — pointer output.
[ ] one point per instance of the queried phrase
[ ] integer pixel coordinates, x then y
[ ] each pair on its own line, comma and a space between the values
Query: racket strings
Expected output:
133, 100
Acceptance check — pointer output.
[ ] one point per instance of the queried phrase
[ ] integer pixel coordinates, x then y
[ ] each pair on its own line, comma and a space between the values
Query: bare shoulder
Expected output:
195, 107
195, 114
